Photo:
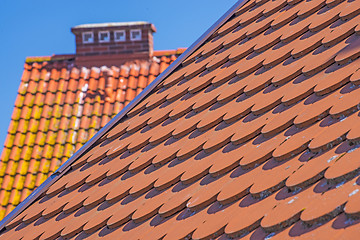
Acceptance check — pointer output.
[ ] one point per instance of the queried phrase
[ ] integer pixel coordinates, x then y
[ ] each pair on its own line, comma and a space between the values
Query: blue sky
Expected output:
41, 28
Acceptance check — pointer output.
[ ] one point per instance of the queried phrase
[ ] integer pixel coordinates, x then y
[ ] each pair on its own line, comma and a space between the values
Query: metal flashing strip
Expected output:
66, 166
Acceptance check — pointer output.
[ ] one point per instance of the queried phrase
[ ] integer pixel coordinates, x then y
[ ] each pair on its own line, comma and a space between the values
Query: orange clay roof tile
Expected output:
254, 136
58, 104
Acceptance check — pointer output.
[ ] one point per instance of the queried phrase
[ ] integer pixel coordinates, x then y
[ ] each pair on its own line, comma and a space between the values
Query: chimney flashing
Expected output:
113, 25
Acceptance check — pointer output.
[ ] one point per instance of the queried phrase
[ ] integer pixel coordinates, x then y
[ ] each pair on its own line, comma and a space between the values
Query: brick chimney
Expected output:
113, 43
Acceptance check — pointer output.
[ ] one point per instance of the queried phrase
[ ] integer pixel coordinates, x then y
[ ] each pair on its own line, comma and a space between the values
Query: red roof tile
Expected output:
253, 136
58, 108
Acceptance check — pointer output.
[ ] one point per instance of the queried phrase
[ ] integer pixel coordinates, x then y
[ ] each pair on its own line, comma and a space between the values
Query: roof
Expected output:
254, 136
58, 108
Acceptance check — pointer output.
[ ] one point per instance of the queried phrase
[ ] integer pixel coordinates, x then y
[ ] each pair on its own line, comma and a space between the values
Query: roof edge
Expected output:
66, 166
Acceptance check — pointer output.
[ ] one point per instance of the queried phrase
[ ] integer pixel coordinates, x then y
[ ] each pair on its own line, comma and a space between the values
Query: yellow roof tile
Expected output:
40, 138
44, 165
47, 152
5, 197
30, 181
33, 125
59, 98
68, 150
9, 141
15, 196
8, 183
2, 212
20, 180
3, 166
25, 193
26, 153
19, 139
15, 153
36, 154
30, 139
13, 126
5, 155
23, 167
16, 114
47, 102
58, 150
51, 138
36, 112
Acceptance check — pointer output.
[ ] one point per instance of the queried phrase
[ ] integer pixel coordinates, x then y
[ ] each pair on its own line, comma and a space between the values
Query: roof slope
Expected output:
254, 136
59, 107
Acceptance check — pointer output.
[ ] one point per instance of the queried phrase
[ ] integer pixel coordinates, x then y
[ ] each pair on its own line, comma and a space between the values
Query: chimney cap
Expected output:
113, 24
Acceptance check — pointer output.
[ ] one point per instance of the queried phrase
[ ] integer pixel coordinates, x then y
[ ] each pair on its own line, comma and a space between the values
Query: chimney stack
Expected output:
113, 43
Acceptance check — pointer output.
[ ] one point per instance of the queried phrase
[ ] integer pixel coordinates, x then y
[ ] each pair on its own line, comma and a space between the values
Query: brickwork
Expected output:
115, 52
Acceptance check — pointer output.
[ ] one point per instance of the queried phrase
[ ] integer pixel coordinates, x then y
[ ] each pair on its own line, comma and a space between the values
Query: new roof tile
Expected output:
247, 143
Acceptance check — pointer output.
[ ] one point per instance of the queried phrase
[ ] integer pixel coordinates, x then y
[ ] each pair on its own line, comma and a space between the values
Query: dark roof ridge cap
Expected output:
51, 58
66, 166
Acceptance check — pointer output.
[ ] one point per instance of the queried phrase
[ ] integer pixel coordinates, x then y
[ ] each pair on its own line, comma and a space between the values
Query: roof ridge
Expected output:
66, 166
70, 56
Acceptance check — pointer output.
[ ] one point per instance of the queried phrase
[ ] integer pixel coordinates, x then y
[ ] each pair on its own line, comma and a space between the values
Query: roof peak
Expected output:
62, 57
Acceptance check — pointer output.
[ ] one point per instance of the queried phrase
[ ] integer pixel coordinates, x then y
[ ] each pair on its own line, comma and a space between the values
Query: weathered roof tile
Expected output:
58, 104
